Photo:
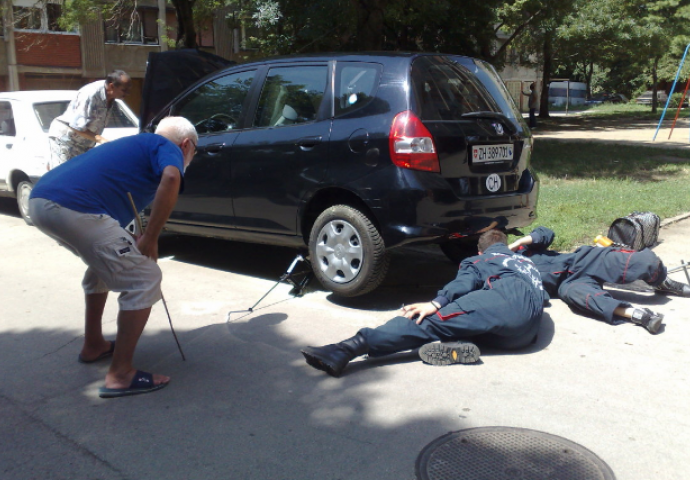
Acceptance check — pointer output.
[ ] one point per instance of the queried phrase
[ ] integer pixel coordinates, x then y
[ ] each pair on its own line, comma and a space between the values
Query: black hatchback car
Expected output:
347, 155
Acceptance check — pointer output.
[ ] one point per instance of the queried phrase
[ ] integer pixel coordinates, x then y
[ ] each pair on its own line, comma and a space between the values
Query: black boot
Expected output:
333, 358
672, 287
648, 319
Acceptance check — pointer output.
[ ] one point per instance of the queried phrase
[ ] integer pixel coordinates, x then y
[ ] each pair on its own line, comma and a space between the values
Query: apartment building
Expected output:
37, 54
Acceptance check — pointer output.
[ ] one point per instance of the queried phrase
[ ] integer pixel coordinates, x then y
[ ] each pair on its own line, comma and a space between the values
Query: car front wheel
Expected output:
347, 252
23, 194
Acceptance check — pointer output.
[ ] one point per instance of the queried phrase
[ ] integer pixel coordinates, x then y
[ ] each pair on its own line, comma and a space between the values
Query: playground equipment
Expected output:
668, 100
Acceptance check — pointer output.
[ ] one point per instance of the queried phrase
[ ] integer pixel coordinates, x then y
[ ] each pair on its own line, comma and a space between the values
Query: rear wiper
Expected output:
494, 115
486, 114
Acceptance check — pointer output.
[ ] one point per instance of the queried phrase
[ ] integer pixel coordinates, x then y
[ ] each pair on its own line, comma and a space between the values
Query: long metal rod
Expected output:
680, 105
673, 88
685, 269
140, 227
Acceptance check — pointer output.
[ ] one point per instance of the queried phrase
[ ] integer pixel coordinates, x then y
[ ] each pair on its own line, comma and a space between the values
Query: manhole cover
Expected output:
505, 453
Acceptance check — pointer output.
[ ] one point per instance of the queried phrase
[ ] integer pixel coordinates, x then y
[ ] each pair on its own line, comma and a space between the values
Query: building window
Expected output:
43, 19
53, 12
138, 27
27, 18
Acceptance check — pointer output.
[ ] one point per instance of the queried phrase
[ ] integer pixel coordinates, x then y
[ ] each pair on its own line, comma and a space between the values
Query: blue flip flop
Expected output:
103, 355
141, 383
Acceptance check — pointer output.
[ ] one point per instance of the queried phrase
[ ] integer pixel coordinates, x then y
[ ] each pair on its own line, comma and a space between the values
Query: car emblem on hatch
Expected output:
498, 127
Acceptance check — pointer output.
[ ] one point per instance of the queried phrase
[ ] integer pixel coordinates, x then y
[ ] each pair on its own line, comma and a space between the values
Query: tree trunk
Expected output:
654, 84
186, 33
589, 71
369, 24
546, 76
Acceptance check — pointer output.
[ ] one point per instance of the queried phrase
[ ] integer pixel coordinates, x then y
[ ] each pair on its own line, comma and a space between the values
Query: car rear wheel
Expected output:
347, 252
459, 249
23, 194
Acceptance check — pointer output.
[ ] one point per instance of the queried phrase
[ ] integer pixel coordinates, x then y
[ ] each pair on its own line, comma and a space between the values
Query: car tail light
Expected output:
411, 145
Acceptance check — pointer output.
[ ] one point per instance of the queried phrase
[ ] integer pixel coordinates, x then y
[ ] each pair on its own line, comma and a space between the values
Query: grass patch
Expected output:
585, 186
622, 110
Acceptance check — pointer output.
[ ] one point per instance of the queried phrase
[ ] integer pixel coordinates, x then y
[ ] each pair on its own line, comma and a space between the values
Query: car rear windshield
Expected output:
447, 90
451, 87
46, 112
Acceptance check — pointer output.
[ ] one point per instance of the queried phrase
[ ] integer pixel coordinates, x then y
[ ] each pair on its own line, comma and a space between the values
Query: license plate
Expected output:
491, 153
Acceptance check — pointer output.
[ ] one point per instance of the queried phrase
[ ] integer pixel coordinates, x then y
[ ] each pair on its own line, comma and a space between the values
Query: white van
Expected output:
573, 93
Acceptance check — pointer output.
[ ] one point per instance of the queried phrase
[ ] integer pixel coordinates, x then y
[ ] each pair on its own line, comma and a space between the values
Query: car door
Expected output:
216, 108
7, 137
279, 161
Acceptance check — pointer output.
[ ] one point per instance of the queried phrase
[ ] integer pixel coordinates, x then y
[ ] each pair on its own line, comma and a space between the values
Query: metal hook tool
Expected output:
297, 287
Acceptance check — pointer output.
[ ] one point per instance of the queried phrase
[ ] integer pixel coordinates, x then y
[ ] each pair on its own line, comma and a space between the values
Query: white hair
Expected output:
176, 129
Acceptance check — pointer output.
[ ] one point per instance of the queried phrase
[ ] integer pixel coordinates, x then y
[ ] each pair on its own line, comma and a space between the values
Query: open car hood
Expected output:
169, 73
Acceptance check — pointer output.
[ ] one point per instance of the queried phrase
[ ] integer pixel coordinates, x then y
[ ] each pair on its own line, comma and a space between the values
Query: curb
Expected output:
670, 221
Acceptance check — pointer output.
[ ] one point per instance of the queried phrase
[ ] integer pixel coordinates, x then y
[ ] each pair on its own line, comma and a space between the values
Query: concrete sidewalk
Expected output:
637, 132
245, 405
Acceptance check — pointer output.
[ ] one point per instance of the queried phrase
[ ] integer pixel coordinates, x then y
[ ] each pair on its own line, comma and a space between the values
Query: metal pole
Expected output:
673, 88
140, 227
162, 26
680, 105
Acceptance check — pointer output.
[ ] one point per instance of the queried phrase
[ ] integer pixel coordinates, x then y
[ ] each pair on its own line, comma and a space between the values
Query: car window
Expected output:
6, 120
490, 79
117, 118
216, 106
47, 111
291, 95
355, 85
447, 91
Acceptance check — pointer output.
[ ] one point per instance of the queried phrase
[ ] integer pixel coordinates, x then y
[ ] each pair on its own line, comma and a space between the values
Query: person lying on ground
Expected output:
496, 299
577, 278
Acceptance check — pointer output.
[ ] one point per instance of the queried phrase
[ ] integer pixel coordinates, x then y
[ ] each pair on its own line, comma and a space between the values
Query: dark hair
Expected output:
117, 77
489, 238
532, 85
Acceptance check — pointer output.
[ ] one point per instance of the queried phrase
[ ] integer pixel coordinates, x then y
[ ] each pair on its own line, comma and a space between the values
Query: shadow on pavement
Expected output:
8, 206
244, 405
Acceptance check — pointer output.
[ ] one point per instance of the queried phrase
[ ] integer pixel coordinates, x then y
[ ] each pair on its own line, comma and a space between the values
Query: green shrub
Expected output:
675, 100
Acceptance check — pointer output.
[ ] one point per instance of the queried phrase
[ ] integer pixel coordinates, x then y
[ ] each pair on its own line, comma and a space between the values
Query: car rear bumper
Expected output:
427, 212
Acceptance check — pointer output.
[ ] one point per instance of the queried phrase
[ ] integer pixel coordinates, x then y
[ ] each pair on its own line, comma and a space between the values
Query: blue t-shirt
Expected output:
98, 180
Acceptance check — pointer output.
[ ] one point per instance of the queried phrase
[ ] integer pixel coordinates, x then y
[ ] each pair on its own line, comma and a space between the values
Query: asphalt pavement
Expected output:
245, 404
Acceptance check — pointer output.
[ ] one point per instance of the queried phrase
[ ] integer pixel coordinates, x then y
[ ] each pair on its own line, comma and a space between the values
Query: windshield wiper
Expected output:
493, 115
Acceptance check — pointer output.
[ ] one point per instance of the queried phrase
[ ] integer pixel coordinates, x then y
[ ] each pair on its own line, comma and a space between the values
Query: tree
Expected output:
537, 22
467, 28
633, 41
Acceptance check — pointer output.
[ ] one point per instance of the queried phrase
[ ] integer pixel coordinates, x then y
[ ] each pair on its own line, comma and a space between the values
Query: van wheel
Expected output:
23, 194
460, 249
347, 253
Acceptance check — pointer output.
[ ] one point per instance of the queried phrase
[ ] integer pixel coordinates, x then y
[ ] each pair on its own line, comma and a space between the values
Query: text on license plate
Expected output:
491, 153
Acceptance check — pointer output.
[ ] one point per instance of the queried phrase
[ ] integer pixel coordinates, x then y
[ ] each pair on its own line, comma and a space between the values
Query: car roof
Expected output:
35, 96
345, 56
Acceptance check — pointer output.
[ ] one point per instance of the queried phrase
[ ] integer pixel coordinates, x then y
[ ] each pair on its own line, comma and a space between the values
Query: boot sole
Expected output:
672, 292
317, 363
441, 354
